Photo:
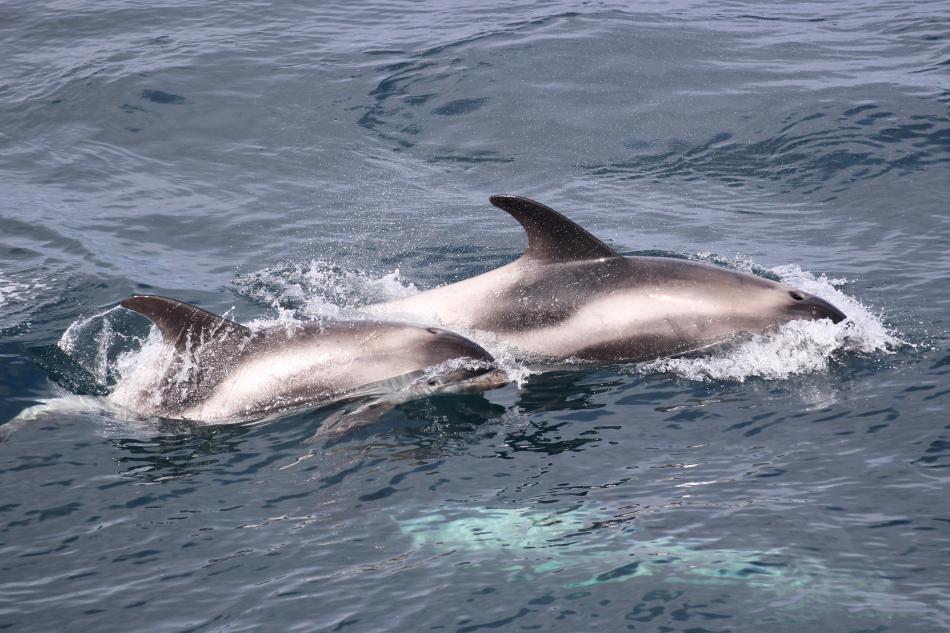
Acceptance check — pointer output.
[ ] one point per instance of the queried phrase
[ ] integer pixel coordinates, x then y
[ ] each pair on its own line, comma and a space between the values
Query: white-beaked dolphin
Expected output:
220, 371
572, 296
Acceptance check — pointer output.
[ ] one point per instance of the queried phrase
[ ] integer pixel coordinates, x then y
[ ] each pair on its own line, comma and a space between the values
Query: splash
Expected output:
128, 363
94, 343
140, 372
320, 289
795, 348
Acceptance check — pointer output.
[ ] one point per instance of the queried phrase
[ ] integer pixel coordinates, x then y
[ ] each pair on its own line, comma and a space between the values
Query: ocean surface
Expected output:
278, 160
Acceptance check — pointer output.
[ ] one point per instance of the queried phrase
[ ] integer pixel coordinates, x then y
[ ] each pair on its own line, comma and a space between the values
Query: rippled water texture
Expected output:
298, 161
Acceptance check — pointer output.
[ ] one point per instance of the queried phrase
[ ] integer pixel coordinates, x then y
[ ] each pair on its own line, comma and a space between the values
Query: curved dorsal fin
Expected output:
179, 321
551, 236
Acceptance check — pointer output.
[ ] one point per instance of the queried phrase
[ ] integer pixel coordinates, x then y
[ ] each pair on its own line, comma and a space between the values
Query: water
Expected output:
283, 160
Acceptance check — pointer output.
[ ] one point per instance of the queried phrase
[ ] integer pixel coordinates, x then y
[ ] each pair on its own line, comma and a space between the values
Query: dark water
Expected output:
251, 154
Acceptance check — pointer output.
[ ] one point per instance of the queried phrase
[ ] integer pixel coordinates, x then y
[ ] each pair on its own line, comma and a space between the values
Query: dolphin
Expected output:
571, 296
219, 371
585, 548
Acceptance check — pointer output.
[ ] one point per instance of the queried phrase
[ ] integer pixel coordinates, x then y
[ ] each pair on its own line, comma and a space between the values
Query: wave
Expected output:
830, 148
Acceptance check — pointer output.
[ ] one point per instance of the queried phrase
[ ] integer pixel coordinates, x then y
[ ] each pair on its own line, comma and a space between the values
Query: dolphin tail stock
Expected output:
551, 236
182, 324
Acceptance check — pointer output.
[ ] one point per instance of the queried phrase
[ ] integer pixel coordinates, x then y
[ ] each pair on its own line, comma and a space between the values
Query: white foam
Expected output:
507, 358
92, 342
319, 289
140, 372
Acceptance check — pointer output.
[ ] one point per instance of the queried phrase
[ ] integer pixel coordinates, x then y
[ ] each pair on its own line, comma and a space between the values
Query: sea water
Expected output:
284, 161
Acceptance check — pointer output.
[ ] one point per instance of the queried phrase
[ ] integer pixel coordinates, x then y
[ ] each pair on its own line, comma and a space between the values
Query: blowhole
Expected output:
796, 295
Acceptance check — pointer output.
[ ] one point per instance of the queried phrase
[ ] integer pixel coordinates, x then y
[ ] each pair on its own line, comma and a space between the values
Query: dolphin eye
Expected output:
796, 295
433, 330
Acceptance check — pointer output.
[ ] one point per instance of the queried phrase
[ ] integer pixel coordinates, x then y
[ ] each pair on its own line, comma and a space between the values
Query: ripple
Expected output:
807, 155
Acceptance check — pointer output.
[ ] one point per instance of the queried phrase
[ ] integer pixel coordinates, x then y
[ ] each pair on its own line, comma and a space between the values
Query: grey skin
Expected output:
572, 296
220, 371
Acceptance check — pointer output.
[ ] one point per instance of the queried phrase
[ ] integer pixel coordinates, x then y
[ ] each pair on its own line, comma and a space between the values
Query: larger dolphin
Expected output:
220, 371
572, 296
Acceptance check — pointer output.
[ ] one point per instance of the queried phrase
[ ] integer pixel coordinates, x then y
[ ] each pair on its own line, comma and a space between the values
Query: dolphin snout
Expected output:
817, 307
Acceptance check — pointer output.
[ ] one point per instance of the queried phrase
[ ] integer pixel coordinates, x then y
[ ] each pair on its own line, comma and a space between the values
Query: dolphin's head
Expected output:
801, 305
426, 359
761, 303
757, 301
458, 365
462, 376
709, 304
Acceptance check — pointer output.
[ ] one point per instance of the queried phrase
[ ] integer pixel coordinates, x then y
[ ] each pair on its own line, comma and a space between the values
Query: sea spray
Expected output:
95, 342
320, 289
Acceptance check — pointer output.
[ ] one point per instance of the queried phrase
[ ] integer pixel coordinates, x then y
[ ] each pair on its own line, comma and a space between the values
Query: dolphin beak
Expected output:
821, 309
490, 379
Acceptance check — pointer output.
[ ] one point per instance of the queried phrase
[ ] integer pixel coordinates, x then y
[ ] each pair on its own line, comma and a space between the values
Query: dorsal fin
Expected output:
551, 236
178, 321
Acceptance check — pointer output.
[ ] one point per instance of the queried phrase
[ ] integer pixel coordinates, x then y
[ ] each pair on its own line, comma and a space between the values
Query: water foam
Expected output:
797, 347
320, 289
94, 343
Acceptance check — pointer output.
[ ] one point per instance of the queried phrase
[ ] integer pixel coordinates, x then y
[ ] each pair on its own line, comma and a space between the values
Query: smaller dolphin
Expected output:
220, 371
572, 296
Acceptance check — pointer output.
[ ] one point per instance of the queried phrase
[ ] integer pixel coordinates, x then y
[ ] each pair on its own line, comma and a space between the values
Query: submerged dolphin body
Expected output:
572, 296
537, 542
584, 548
221, 371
